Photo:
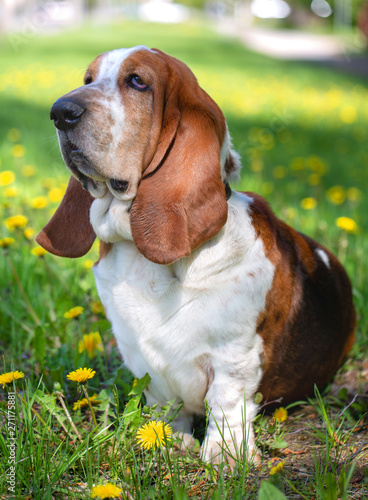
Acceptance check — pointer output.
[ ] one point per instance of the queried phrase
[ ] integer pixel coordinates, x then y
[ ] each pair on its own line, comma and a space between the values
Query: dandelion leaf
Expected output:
39, 346
132, 412
279, 444
48, 402
268, 491
140, 385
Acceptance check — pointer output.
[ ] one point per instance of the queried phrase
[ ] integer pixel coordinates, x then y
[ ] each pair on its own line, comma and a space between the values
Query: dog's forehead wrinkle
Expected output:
112, 61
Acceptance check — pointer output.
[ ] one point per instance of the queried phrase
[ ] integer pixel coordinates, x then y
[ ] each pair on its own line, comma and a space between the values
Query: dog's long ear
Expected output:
181, 200
69, 232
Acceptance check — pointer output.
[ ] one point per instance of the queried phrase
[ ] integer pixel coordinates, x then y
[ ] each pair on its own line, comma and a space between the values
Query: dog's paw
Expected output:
225, 452
218, 453
185, 442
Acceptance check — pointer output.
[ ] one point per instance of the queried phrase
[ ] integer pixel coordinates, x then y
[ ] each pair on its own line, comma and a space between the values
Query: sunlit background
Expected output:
63, 13
290, 76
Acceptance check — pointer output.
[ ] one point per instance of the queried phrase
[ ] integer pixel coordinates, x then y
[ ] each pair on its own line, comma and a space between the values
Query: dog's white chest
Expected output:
193, 320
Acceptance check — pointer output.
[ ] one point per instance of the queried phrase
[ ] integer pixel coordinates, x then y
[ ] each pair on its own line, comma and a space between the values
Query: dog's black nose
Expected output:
66, 114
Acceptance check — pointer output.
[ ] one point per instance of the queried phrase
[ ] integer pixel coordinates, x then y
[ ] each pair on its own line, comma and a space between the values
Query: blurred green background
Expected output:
300, 128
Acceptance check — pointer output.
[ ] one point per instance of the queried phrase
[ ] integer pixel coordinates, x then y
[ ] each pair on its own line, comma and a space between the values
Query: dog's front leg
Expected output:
182, 427
230, 435
231, 411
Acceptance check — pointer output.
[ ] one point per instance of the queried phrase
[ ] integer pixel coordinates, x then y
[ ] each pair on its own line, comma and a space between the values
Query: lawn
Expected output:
302, 134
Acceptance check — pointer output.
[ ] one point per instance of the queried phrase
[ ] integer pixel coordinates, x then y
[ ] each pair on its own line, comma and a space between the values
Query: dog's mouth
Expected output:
89, 177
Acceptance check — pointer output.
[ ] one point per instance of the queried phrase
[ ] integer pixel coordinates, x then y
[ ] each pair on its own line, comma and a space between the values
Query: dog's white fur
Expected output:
190, 325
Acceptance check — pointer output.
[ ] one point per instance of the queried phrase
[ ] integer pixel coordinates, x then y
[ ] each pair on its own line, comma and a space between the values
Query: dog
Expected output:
205, 288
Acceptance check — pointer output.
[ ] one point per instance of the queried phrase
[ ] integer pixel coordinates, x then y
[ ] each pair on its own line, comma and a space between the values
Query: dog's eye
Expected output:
137, 83
88, 80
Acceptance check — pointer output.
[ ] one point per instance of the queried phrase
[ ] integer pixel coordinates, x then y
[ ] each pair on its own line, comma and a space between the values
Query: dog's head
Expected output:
141, 131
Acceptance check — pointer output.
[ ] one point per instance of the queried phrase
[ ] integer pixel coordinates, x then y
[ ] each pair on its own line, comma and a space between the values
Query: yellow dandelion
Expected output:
348, 114
255, 133
314, 179
74, 312
91, 343
280, 414
16, 221
84, 402
277, 468
347, 224
11, 192
297, 164
97, 307
38, 251
308, 203
7, 378
279, 172
107, 490
88, 263
56, 194
256, 165
316, 164
354, 194
268, 142
13, 135
7, 177
29, 233
336, 195
81, 375
39, 202
29, 170
48, 183
267, 187
290, 213
6, 242
81, 403
152, 434
18, 151
334, 97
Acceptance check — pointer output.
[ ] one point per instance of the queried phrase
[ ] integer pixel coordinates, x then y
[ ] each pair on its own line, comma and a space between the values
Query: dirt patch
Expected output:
329, 437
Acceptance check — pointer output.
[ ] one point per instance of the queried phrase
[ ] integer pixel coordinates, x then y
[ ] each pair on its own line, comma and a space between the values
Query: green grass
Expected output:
301, 130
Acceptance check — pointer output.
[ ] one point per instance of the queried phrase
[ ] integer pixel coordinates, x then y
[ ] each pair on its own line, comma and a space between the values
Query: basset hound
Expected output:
206, 289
